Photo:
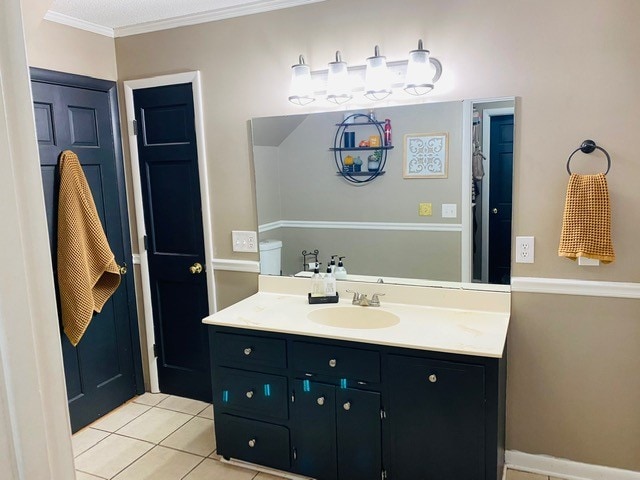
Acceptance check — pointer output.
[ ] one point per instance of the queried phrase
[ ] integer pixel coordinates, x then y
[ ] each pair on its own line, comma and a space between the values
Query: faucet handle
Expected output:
356, 296
375, 301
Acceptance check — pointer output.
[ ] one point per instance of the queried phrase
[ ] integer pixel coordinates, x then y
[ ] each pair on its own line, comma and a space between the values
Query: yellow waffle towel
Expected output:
586, 224
87, 272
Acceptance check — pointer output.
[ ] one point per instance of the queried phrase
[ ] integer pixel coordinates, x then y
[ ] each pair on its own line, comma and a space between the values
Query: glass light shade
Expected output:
420, 72
377, 84
301, 90
338, 87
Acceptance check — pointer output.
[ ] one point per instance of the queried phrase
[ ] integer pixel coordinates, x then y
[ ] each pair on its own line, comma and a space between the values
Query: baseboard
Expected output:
565, 469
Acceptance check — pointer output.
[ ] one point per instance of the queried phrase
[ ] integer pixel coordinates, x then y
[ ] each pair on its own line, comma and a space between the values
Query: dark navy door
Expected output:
168, 159
500, 187
80, 114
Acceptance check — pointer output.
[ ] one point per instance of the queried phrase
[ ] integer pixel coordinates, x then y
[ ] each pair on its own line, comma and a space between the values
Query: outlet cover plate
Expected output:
449, 210
244, 241
525, 249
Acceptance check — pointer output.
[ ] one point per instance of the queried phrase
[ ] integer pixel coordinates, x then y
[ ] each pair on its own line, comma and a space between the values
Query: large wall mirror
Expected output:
392, 227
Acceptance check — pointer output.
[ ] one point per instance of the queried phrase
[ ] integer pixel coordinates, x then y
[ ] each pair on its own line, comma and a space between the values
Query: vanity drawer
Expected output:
338, 362
251, 392
253, 441
249, 350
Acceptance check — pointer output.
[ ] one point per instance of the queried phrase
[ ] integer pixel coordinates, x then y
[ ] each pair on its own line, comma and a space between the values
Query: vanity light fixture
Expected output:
377, 84
301, 90
376, 79
422, 71
338, 87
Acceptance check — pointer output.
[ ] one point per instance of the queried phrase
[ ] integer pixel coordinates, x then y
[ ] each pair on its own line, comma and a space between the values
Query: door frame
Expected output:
193, 78
486, 148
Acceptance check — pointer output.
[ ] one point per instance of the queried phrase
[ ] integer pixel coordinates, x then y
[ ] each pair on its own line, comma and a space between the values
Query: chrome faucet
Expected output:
362, 299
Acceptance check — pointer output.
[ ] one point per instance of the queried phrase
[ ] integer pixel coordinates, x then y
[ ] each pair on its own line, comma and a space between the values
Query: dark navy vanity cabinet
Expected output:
336, 410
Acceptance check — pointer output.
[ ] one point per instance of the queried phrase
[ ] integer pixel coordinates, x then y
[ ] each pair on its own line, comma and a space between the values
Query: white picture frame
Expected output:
425, 155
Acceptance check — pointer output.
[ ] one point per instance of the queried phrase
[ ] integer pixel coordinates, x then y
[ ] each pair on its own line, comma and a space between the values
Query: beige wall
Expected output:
574, 65
58, 47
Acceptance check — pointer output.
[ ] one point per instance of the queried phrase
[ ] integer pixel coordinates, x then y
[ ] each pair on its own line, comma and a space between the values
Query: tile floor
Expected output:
162, 437
154, 436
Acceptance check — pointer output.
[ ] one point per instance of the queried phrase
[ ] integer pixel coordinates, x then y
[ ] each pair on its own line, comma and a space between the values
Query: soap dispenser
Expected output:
329, 283
340, 272
317, 284
332, 263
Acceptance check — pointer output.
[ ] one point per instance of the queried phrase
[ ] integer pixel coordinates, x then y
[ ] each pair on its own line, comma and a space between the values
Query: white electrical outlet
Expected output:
524, 250
449, 210
244, 241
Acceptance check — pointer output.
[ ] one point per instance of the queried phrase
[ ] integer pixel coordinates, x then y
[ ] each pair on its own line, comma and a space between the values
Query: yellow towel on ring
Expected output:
586, 223
87, 272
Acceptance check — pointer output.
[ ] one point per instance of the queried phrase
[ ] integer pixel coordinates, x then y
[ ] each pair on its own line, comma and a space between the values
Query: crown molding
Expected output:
259, 6
77, 23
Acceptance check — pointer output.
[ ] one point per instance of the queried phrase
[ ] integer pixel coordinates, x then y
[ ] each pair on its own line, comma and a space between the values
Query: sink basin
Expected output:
354, 317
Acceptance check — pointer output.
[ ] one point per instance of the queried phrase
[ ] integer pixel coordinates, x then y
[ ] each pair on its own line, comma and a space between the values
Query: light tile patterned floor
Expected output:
163, 437
154, 436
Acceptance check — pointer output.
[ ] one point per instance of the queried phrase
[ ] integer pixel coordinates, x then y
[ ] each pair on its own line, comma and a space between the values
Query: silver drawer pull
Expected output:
248, 350
252, 443
333, 362
347, 406
433, 378
249, 394
320, 401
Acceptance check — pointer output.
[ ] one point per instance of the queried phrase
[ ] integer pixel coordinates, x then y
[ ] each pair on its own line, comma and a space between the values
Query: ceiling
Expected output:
117, 18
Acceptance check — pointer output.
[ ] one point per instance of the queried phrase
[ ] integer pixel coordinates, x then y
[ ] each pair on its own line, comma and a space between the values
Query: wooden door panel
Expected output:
76, 113
168, 159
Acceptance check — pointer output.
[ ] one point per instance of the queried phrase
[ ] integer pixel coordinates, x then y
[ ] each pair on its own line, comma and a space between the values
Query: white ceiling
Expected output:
127, 17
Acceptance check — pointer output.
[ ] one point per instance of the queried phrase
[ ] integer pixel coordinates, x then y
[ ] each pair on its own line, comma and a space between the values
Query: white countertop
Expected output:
466, 331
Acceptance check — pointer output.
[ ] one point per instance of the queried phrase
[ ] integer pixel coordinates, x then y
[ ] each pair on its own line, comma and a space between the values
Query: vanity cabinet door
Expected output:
314, 430
359, 434
253, 441
436, 419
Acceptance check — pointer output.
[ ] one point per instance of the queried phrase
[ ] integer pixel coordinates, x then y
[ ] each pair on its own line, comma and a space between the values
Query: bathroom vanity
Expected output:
315, 390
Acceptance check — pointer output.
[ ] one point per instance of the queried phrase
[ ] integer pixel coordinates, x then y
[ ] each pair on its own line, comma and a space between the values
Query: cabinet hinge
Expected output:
383, 475
155, 350
146, 243
383, 414
134, 126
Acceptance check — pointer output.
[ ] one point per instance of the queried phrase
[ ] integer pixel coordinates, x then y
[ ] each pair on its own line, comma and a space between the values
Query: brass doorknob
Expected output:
122, 269
195, 268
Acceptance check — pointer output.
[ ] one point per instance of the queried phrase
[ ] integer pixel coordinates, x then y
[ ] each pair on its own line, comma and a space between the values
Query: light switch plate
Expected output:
424, 209
244, 241
449, 210
588, 262
525, 249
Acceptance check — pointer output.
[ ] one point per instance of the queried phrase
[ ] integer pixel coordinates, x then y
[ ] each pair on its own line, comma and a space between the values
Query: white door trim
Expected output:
486, 149
207, 221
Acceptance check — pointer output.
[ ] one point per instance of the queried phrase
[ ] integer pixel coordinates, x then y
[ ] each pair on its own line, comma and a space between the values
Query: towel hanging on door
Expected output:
87, 271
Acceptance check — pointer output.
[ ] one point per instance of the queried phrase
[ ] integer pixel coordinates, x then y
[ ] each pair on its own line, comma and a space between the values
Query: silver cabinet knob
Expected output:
333, 362
495, 211
248, 350
433, 378
252, 443
347, 406
320, 401
249, 394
